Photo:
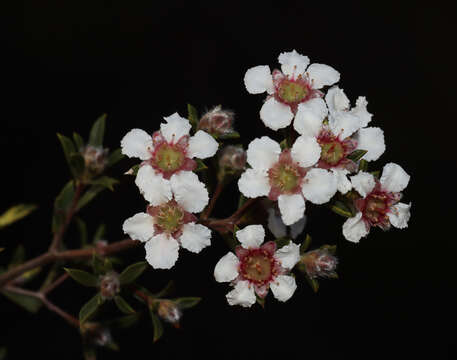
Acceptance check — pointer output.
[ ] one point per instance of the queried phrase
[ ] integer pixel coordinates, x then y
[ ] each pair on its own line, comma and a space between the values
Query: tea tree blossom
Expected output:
256, 268
378, 204
295, 85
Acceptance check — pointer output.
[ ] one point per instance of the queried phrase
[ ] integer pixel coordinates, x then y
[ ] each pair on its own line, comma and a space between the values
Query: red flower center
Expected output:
334, 151
169, 218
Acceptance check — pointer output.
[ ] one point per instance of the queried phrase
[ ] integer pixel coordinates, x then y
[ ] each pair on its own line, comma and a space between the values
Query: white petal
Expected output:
137, 143
361, 111
189, 192
297, 228
202, 145
292, 63
275, 224
288, 255
292, 208
251, 236
394, 178
139, 227
154, 187
354, 228
306, 151
344, 124
336, 99
195, 237
162, 251
309, 117
243, 294
399, 215
344, 185
262, 153
283, 287
372, 140
254, 183
226, 268
363, 182
322, 75
319, 186
175, 128
275, 115
258, 79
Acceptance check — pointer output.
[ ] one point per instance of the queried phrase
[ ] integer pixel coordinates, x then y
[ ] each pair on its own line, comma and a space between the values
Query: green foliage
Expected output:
82, 228
15, 213
313, 283
83, 277
187, 302
305, 244
341, 209
29, 303
123, 305
98, 131
133, 170
62, 204
165, 291
123, 322
105, 181
192, 115
356, 155
100, 232
363, 165
282, 241
230, 135
132, 272
89, 195
200, 165
157, 325
79, 141
114, 157
284, 144
90, 308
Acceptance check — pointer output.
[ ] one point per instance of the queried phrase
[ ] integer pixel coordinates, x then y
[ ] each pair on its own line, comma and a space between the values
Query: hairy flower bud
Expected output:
170, 312
320, 263
233, 157
217, 121
110, 285
95, 159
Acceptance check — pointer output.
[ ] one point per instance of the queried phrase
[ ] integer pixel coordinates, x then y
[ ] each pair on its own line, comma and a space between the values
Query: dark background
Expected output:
66, 64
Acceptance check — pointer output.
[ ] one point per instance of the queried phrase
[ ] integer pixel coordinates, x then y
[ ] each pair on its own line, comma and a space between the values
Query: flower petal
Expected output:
275, 115
288, 255
306, 151
322, 75
371, 139
343, 183
189, 191
251, 236
226, 268
292, 208
336, 100
275, 224
254, 183
283, 287
293, 63
162, 251
298, 227
262, 153
195, 237
399, 215
319, 186
394, 178
139, 227
258, 79
202, 145
361, 111
243, 294
344, 124
363, 182
355, 228
137, 143
309, 117
153, 186
175, 128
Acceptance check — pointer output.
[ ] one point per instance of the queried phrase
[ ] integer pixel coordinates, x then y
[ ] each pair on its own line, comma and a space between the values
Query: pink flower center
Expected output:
258, 265
169, 218
334, 151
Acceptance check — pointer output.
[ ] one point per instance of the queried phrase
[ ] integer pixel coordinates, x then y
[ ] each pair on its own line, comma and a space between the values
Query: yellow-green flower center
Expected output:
332, 152
285, 177
257, 268
167, 158
170, 218
292, 92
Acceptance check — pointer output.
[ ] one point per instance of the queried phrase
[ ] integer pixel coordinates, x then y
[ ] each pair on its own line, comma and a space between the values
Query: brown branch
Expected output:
55, 284
207, 212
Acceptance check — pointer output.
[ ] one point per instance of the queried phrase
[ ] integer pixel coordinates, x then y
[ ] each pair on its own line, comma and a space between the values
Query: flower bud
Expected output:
95, 159
169, 311
320, 263
109, 285
233, 157
217, 121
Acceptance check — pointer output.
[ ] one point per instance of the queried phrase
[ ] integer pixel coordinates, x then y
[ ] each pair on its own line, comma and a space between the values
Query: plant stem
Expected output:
207, 212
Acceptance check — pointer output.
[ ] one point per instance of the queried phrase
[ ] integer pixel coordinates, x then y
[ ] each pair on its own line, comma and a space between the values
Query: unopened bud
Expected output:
217, 121
110, 285
170, 312
95, 158
233, 157
96, 334
320, 263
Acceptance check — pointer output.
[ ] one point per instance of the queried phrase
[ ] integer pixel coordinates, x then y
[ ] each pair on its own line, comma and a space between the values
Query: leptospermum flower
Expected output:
256, 268
168, 154
379, 203
344, 132
295, 86
285, 176
170, 224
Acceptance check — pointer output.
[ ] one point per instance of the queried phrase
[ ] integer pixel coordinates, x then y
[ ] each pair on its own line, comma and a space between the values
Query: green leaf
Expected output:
105, 181
16, 213
83, 277
77, 164
79, 141
90, 308
82, 228
376, 174
62, 203
124, 322
282, 241
99, 233
260, 301
157, 325
133, 170
98, 131
356, 155
192, 115
122, 305
114, 157
29, 275
132, 272
200, 165
187, 302
67, 146
98, 265
283, 144
241, 201
305, 245
313, 283
230, 135
29, 303
89, 195
341, 209
363, 165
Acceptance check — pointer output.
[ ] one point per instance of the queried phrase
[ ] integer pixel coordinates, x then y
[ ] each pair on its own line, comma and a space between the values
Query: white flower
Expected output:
296, 84
256, 268
166, 153
286, 177
345, 132
379, 203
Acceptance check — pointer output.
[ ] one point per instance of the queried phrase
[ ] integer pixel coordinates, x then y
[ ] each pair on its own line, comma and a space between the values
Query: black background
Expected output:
67, 63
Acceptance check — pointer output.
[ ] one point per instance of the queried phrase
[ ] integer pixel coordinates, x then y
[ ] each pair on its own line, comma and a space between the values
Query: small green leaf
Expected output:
283, 144
157, 325
241, 201
105, 181
313, 283
187, 302
376, 174
62, 203
77, 164
133, 170
230, 135
124, 322
114, 157
98, 131
200, 165
15, 213
67, 146
99, 233
98, 265
363, 165
90, 308
82, 228
356, 155
305, 245
89, 195
122, 305
132, 272
282, 241
341, 209
260, 301
29, 303
192, 115
83, 277
29, 275
79, 141
331, 248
